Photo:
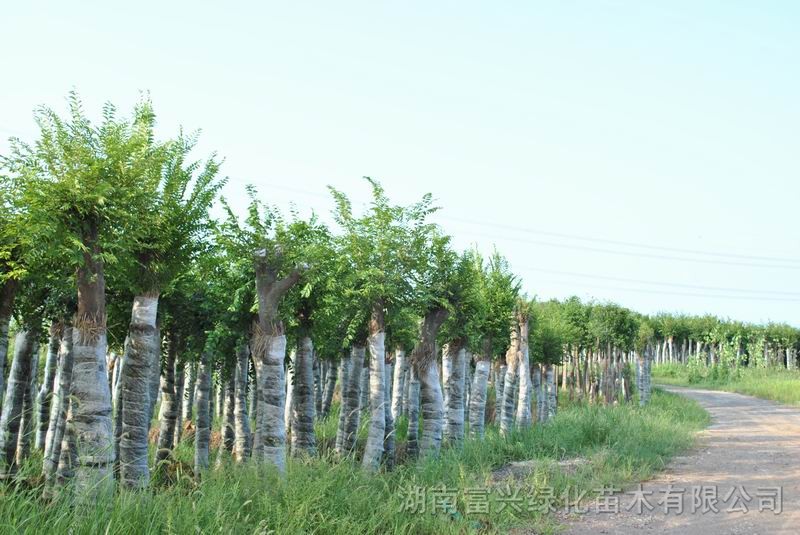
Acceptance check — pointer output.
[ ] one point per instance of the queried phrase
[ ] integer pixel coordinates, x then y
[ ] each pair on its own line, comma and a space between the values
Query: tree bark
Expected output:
168, 413
510, 387
373, 452
202, 433
135, 396
399, 380
499, 389
7, 292
188, 392
27, 429
523, 416
45, 396
330, 386
271, 400
454, 353
228, 429
290, 382
241, 447
389, 432
58, 408
18, 383
552, 392
350, 401
477, 401
90, 414
303, 438
423, 358
412, 447
177, 432
344, 381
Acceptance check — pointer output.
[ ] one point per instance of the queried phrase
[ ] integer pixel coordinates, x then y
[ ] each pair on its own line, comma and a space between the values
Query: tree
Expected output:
84, 184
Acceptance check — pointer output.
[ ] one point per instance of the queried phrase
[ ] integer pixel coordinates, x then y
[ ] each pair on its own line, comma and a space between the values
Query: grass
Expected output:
620, 444
776, 384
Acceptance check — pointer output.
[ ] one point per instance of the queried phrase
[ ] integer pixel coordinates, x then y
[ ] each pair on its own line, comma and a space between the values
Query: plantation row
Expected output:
110, 255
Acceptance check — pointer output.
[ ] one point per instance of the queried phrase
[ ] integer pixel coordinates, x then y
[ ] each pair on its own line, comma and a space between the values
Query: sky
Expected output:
644, 153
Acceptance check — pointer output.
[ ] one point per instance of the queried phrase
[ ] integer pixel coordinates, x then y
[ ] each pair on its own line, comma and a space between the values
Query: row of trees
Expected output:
110, 257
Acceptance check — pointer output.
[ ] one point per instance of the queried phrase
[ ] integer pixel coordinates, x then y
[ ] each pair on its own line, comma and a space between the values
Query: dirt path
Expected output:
752, 444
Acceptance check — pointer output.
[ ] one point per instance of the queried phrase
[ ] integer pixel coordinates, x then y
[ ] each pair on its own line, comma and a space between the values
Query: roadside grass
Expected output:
776, 384
619, 445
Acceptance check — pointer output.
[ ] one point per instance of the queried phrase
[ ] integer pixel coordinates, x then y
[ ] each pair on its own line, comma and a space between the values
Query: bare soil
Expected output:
751, 449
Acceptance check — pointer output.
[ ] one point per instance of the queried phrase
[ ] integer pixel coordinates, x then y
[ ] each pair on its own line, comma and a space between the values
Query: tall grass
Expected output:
619, 444
772, 383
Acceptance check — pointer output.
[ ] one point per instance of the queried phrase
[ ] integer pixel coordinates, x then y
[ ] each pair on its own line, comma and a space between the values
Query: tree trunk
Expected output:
477, 402
188, 392
424, 360
58, 408
303, 438
538, 390
241, 447
344, 381
45, 396
388, 435
510, 387
270, 351
350, 401
399, 382
168, 413
180, 370
363, 401
18, 382
373, 452
290, 381
136, 379
330, 386
228, 423
90, 414
455, 354
523, 417
552, 393
500, 386
412, 446
27, 430
202, 433
8, 290
317, 386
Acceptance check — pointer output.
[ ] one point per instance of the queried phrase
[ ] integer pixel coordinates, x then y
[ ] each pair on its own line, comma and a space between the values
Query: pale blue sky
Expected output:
589, 140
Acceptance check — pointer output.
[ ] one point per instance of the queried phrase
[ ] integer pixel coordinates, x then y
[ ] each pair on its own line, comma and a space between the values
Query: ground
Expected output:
751, 445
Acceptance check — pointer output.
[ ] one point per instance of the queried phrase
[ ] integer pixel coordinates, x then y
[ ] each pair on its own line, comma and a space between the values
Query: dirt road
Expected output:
750, 450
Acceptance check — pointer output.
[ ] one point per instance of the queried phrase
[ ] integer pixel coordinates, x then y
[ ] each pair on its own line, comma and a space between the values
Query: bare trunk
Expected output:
136, 379
373, 452
412, 447
58, 408
180, 370
18, 383
270, 353
188, 391
477, 402
168, 413
399, 382
351, 393
241, 447
202, 432
455, 354
290, 380
523, 416
552, 393
388, 435
27, 430
8, 290
330, 386
303, 438
344, 381
45, 396
426, 366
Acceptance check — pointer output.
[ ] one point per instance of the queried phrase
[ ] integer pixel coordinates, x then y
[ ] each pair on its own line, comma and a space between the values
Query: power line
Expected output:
601, 249
657, 283
676, 294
